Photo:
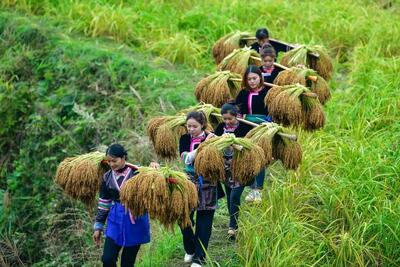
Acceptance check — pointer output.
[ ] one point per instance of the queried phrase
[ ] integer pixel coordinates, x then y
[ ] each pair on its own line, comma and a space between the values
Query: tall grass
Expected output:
341, 208
152, 25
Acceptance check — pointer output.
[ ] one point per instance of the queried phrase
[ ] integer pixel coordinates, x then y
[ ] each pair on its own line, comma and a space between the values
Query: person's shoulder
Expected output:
244, 126
184, 137
242, 92
106, 175
220, 129
255, 46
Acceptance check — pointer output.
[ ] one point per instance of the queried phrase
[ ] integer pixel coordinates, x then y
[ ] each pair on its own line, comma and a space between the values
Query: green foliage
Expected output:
63, 94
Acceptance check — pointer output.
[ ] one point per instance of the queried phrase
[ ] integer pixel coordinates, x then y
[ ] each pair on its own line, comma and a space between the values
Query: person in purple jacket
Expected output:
123, 231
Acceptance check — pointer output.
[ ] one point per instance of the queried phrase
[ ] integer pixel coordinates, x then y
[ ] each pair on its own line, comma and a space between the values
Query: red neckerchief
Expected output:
270, 70
230, 129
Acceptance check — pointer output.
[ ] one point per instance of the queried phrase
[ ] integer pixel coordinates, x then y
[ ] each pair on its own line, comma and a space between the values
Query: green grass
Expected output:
341, 208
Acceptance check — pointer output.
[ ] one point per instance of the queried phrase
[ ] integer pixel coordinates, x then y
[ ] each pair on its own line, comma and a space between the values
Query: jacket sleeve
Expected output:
240, 102
103, 207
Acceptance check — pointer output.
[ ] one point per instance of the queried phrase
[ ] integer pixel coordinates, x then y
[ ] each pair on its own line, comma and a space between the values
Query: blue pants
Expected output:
259, 180
233, 201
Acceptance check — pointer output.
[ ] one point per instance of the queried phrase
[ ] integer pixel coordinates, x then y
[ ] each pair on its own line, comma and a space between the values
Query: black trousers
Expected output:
111, 251
194, 242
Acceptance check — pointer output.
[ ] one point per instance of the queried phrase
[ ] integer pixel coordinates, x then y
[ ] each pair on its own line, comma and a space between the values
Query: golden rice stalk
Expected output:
271, 95
209, 163
209, 160
219, 88
153, 125
165, 132
239, 60
313, 114
299, 75
321, 88
226, 44
167, 195
247, 164
289, 152
208, 110
262, 135
301, 56
286, 107
80, 176
296, 105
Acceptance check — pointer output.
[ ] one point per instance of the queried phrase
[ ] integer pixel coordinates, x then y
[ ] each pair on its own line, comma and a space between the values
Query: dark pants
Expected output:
259, 180
110, 254
194, 242
233, 200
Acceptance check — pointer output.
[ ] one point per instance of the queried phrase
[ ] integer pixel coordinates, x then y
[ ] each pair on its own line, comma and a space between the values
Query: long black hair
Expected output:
252, 69
117, 151
199, 117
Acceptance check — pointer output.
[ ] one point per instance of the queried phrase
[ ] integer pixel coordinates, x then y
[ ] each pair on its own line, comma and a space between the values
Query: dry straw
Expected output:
218, 88
274, 141
300, 75
167, 195
288, 151
295, 105
209, 111
226, 44
247, 162
315, 57
80, 177
164, 133
239, 60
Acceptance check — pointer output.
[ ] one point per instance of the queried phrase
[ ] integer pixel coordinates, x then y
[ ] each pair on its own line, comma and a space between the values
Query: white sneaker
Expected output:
250, 196
257, 196
188, 258
195, 265
254, 196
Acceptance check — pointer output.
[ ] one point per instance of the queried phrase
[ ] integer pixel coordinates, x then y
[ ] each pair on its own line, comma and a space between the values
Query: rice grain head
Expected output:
209, 163
242, 171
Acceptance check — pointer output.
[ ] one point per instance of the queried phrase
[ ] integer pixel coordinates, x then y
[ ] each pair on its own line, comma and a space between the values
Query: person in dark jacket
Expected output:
250, 99
233, 189
268, 69
252, 106
262, 36
123, 231
196, 243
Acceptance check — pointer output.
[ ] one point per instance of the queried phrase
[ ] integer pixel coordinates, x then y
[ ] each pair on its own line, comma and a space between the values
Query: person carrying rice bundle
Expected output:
123, 231
263, 39
268, 69
196, 242
233, 189
251, 104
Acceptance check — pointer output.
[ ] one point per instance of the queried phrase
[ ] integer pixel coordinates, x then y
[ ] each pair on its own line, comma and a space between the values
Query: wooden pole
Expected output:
291, 137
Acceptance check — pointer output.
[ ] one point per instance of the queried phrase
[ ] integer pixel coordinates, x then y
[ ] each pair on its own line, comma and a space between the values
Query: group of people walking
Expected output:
127, 233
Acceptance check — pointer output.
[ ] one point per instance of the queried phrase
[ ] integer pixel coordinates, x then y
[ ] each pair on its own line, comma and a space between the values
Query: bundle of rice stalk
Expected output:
301, 75
295, 105
167, 195
166, 134
239, 60
217, 89
315, 57
288, 151
208, 110
264, 136
80, 176
248, 159
226, 44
